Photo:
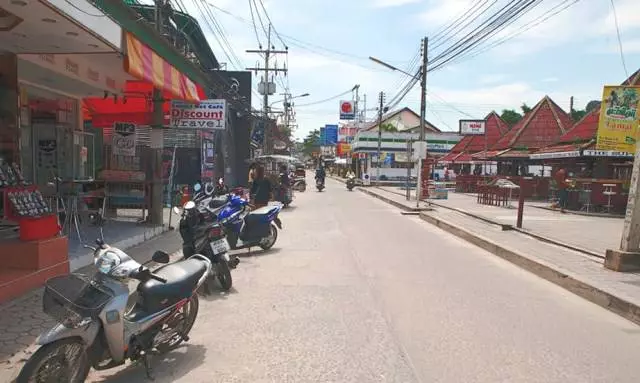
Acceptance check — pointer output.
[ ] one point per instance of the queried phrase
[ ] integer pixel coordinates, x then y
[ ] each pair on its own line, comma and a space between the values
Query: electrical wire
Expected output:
237, 63
326, 99
83, 11
253, 20
273, 27
451, 106
462, 23
264, 29
615, 18
558, 8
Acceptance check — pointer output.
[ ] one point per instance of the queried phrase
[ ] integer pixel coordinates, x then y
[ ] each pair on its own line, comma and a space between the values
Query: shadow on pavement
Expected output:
166, 368
219, 294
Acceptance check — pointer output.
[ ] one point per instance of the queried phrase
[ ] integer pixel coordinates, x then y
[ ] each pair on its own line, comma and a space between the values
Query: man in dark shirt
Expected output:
261, 189
561, 183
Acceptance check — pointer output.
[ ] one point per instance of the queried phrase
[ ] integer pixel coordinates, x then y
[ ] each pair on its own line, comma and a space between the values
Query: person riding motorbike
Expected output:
351, 174
320, 174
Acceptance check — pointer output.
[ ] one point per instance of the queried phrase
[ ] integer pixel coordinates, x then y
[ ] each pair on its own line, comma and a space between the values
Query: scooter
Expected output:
284, 195
246, 229
319, 184
202, 235
351, 183
95, 329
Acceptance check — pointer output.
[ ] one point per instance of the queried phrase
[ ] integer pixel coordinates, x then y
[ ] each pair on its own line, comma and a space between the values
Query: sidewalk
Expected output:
22, 319
581, 274
596, 234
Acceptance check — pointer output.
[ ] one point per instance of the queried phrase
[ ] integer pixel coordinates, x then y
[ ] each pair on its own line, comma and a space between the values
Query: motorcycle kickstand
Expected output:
146, 359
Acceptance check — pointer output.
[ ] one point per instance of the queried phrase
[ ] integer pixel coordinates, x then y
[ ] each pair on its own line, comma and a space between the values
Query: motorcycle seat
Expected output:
218, 202
182, 278
259, 215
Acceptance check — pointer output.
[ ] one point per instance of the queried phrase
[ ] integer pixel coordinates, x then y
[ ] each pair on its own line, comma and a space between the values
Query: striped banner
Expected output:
145, 64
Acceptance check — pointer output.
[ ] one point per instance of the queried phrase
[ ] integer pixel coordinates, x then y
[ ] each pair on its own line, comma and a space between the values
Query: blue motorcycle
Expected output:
246, 229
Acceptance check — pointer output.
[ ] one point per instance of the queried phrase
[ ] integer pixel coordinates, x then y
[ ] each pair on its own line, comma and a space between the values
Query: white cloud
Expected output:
393, 3
442, 12
492, 78
550, 79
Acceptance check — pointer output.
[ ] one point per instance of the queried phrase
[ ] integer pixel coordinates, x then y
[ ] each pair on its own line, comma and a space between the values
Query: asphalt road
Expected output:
356, 292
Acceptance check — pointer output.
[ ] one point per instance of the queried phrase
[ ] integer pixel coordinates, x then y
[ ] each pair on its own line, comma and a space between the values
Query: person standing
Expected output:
563, 193
261, 189
252, 171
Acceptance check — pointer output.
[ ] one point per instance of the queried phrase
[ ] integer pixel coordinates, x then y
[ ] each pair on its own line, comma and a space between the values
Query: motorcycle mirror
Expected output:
160, 257
189, 205
197, 187
176, 210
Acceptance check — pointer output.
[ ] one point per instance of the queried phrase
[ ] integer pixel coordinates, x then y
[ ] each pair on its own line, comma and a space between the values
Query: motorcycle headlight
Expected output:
107, 262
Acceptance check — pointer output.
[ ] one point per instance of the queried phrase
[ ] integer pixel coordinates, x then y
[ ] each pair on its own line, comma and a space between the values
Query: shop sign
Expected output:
124, 139
208, 114
472, 127
618, 124
347, 110
545, 156
606, 153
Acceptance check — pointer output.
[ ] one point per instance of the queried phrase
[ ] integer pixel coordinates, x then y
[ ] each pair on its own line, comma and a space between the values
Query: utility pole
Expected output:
423, 115
364, 108
627, 258
380, 112
156, 213
267, 87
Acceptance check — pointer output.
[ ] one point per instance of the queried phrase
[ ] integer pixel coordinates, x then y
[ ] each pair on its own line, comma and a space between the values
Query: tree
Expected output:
311, 143
595, 104
525, 108
387, 127
511, 117
577, 115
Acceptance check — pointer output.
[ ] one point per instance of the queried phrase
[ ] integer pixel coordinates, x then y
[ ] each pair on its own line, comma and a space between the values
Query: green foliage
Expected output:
310, 142
387, 127
511, 117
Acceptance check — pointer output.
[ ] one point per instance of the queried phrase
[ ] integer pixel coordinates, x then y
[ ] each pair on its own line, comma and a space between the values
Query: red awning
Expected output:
135, 106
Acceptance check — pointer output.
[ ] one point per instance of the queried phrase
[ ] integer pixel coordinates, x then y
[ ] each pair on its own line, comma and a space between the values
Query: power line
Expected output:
253, 21
451, 105
615, 18
264, 29
461, 27
558, 8
271, 23
326, 99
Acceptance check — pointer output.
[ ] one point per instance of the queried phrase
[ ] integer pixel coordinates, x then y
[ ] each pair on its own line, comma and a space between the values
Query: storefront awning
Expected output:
135, 106
145, 64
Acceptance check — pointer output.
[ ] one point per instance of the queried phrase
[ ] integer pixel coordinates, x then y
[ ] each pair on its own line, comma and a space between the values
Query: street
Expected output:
356, 292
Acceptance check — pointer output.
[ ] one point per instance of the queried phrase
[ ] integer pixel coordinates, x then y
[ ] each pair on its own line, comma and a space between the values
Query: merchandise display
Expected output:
27, 203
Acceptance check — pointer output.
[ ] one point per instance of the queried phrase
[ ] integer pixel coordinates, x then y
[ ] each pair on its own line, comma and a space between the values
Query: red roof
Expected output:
449, 157
495, 128
633, 80
542, 126
583, 130
561, 148
511, 153
490, 154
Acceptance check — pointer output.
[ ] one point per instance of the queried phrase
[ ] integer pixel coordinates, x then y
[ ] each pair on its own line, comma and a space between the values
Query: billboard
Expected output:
234, 86
347, 133
347, 110
472, 127
619, 113
208, 114
328, 135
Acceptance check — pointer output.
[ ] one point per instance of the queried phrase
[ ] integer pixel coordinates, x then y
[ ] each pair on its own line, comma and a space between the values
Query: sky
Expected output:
572, 54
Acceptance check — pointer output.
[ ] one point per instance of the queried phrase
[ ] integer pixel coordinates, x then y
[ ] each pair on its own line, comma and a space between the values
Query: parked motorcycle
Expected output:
246, 229
95, 328
201, 234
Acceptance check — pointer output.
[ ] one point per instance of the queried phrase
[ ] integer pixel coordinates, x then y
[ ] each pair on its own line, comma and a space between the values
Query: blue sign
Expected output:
388, 159
330, 135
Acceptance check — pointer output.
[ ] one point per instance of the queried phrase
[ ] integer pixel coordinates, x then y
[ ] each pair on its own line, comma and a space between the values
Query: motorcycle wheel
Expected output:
302, 188
180, 323
53, 362
224, 275
268, 242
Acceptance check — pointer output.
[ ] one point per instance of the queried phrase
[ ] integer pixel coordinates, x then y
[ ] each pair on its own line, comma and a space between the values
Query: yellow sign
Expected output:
619, 113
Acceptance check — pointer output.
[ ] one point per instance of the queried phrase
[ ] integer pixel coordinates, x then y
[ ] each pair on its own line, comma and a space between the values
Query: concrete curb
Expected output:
397, 204
617, 305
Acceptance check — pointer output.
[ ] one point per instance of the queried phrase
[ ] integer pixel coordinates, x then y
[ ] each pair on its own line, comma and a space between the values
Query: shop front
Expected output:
53, 54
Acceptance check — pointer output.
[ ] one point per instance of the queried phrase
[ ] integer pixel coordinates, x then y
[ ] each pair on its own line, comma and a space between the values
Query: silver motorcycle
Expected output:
98, 328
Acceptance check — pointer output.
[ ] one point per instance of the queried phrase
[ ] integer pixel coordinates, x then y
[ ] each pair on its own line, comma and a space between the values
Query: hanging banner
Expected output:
619, 113
347, 110
208, 114
123, 142
208, 155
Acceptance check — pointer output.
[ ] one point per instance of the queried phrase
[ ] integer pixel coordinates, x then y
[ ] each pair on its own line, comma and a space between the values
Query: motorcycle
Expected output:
201, 234
351, 183
95, 328
246, 229
319, 184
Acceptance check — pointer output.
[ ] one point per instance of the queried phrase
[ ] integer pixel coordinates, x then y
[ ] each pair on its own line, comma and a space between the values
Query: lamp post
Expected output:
422, 76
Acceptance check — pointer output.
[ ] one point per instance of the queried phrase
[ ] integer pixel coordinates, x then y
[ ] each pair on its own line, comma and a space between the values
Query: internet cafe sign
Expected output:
208, 114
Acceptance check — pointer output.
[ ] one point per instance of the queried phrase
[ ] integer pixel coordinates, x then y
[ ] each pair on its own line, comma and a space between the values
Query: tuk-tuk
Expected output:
300, 172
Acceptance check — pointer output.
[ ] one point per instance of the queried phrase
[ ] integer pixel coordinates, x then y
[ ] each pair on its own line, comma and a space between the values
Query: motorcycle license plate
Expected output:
220, 246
